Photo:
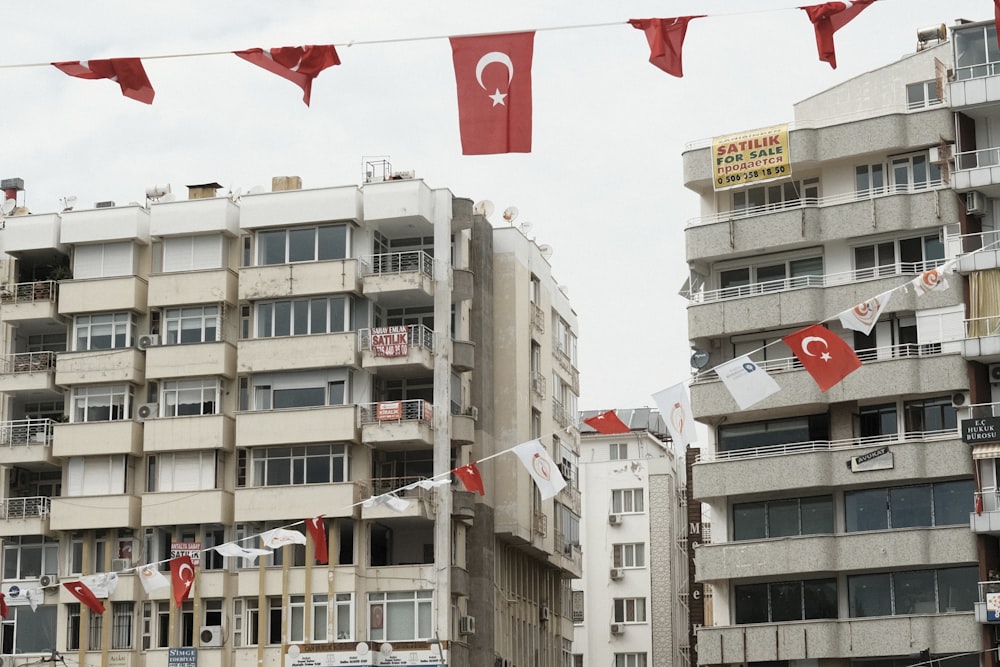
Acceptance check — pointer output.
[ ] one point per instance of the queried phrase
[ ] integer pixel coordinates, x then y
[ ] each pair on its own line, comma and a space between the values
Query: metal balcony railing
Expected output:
979, 410
395, 411
984, 157
561, 414
26, 432
417, 335
829, 445
980, 327
963, 244
402, 262
826, 280
538, 384
28, 362
32, 507
977, 71
382, 485
42, 290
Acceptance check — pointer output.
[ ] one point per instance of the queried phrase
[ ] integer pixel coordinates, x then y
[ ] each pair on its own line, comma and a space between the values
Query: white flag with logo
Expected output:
390, 500
746, 381
151, 578
541, 467
233, 550
34, 596
863, 316
279, 537
101, 585
675, 408
932, 279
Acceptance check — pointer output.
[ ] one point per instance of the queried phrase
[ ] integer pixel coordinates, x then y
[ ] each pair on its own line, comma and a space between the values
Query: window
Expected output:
103, 260
400, 616
27, 631
781, 518
940, 504
630, 660
626, 501
246, 611
275, 391
875, 421
122, 624
343, 608
300, 317
869, 180
95, 475
915, 254
103, 332
194, 324
181, 471
185, 398
319, 612
567, 530
786, 601
618, 451
303, 464
73, 626
109, 402
96, 631
192, 253
923, 94
155, 625
564, 338
628, 555
629, 610
913, 592
302, 244
913, 172
569, 464
753, 435
976, 52
781, 195
29, 557
930, 415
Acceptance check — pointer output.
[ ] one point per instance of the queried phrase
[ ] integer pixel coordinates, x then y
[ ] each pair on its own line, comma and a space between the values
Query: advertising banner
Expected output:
750, 157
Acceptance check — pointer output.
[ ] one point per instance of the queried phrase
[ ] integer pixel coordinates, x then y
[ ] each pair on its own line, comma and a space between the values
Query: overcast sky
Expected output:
602, 184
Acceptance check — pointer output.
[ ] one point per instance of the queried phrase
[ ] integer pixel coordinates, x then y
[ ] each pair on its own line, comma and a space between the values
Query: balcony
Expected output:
399, 351
818, 465
978, 170
399, 423
188, 360
172, 434
93, 512
982, 339
811, 221
987, 606
29, 301
97, 438
274, 503
333, 423
300, 279
25, 233
102, 295
974, 252
837, 639
289, 353
975, 85
844, 552
26, 441
886, 371
192, 287
299, 207
96, 225
463, 355
98, 366
403, 207
28, 372
400, 277
25, 516
194, 216
567, 556
421, 504
209, 505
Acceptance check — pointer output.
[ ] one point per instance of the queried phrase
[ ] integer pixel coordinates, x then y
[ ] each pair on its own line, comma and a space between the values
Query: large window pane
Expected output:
271, 247
333, 242
817, 515
951, 502
910, 506
783, 518
866, 510
820, 598
748, 521
914, 592
957, 588
869, 595
786, 601
302, 245
751, 604
299, 398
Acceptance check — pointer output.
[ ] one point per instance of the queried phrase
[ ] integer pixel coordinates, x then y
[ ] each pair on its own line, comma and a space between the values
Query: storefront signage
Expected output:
182, 657
750, 157
877, 459
362, 655
984, 429
192, 549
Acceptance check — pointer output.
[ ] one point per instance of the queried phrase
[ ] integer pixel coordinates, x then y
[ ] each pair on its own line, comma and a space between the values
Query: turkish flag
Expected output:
317, 529
84, 595
127, 72
979, 510
473, 481
666, 39
827, 19
827, 356
493, 77
298, 64
607, 423
3, 606
182, 577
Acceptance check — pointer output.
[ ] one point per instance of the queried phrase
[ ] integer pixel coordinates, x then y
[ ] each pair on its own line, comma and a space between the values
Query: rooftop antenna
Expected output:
235, 193
68, 202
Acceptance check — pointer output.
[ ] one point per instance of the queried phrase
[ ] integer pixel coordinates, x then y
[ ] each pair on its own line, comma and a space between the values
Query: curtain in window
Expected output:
984, 303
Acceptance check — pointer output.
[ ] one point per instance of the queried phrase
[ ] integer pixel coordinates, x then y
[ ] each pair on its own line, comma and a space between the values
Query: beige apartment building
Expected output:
180, 374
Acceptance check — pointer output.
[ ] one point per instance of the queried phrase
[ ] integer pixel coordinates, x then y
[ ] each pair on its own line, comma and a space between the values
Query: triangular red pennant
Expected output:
607, 423
666, 40
828, 18
127, 72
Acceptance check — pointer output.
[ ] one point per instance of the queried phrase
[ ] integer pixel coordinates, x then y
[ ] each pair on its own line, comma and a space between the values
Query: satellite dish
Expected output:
546, 251
699, 359
235, 192
510, 213
68, 202
8, 206
526, 228
385, 649
484, 208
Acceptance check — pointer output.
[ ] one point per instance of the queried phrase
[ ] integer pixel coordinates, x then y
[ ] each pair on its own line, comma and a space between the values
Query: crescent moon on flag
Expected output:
810, 339
494, 57
183, 577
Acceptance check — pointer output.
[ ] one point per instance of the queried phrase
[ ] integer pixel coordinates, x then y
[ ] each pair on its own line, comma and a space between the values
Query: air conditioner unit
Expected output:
617, 573
473, 412
210, 635
467, 625
119, 564
544, 613
617, 628
959, 399
47, 580
994, 371
148, 341
147, 411
614, 519
975, 203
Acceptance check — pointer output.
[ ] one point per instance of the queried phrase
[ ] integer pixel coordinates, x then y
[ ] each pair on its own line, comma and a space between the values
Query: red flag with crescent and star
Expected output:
828, 18
128, 73
182, 577
473, 481
3, 606
298, 64
827, 356
82, 593
666, 40
317, 530
607, 423
493, 77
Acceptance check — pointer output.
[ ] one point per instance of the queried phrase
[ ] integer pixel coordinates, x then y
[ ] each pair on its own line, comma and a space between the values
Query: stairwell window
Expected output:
303, 244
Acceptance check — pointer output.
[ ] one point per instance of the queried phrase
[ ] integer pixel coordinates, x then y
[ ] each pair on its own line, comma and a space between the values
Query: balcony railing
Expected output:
382, 485
977, 71
538, 384
980, 327
28, 362
826, 280
984, 157
395, 411
816, 202
829, 445
402, 262
417, 335
963, 244
26, 432
42, 290
874, 354
26, 508
561, 414
979, 410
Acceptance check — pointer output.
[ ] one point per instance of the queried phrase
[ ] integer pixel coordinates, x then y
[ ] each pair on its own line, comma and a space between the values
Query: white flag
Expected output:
101, 585
541, 467
746, 381
675, 408
234, 550
279, 537
932, 279
427, 484
151, 578
864, 315
34, 596
391, 500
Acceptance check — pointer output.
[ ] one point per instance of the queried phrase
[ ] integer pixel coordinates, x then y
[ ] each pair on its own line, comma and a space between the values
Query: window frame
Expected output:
629, 555
173, 390
174, 318
263, 249
623, 501
423, 608
265, 319
631, 610
122, 326
84, 399
262, 459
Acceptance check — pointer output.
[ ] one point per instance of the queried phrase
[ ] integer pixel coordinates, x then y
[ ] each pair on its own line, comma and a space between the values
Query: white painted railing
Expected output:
829, 445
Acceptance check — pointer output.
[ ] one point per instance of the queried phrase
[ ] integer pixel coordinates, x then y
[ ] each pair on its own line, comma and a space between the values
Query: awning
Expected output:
989, 450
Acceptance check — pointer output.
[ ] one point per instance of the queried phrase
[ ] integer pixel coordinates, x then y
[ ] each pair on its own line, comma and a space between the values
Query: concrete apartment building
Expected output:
840, 521
185, 373
628, 608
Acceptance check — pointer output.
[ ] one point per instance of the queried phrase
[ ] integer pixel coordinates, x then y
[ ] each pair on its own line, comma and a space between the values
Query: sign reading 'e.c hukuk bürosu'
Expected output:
983, 429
